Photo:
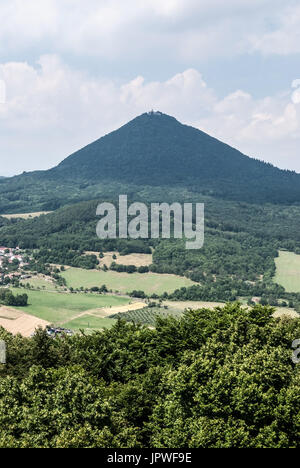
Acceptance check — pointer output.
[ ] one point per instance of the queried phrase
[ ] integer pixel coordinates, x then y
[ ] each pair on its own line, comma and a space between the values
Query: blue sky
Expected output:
74, 70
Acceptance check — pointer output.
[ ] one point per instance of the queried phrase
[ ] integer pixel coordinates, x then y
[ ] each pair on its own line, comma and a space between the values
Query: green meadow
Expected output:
89, 323
150, 283
59, 308
288, 271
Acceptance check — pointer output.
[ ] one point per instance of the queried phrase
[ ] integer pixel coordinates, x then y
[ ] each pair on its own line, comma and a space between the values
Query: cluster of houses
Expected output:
9, 256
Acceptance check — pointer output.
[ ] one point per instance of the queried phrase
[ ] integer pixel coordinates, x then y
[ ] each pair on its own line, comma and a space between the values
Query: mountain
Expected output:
155, 149
152, 153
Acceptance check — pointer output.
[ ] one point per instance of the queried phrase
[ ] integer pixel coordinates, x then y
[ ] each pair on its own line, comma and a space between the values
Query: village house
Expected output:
9, 254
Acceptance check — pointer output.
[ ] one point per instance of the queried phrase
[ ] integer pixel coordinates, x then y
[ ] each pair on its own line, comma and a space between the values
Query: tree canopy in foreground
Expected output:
221, 378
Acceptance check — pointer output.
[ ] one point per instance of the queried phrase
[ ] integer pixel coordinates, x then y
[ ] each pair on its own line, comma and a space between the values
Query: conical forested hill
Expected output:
153, 150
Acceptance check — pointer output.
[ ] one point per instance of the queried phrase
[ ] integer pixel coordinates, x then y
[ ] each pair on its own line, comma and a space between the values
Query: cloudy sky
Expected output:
73, 70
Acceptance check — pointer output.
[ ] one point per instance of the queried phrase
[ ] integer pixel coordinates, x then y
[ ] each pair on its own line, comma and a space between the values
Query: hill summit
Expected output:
155, 149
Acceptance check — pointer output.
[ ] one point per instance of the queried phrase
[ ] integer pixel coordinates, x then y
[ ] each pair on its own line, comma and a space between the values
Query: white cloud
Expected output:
284, 36
2, 92
296, 94
188, 29
267, 128
51, 110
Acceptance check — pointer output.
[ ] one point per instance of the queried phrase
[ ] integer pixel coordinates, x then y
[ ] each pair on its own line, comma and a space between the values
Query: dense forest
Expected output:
222, 378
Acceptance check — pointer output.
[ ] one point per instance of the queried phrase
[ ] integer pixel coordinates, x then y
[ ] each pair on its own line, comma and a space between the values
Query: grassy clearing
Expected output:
151, 283
38, 282
130, 259
288, 271
59, 308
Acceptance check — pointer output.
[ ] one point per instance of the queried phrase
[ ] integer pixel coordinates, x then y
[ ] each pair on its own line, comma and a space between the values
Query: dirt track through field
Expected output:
107, 311
15, 321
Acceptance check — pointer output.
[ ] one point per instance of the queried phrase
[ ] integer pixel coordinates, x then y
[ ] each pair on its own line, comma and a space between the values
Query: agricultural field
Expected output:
181, 306
18, 321
150, 283
146, 316
60, 308
92, 311
97, 319
288, 271
177, 306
